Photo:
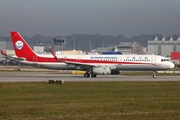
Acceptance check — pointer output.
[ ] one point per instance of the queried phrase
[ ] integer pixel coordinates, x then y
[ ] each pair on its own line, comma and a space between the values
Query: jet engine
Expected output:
101, 70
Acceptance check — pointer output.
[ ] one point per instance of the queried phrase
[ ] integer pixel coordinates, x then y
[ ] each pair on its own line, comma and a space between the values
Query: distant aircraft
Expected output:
93, 64
9, 53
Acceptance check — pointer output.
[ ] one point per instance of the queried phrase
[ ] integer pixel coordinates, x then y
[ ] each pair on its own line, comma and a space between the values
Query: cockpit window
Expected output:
164, 60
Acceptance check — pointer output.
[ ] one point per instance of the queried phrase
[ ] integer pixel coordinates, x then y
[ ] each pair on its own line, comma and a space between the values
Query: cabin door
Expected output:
35, 58
119, 60
78, 59
153, 60
65, 58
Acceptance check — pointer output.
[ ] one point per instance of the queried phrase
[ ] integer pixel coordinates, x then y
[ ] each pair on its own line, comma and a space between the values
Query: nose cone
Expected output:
171, 65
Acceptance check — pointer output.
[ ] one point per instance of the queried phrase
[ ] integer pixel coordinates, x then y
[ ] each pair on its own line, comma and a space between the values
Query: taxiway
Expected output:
45, 76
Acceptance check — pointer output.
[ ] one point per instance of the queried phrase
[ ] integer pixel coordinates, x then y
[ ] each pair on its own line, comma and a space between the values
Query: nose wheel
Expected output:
154, 75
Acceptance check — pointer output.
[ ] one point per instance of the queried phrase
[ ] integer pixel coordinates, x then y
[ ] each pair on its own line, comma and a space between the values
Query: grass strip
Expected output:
90, 100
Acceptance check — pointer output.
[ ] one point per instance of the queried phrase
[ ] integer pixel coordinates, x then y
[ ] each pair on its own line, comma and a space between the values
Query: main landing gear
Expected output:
86, 75
154, 74
89, 72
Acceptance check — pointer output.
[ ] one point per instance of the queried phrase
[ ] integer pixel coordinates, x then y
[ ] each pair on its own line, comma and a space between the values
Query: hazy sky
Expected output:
106, 17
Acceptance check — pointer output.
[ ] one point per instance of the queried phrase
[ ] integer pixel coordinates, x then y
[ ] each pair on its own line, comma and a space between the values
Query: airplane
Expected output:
93, 64
8, 53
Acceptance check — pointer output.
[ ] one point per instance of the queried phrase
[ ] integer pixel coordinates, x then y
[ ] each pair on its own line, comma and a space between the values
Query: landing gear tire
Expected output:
154, 76
86, 75
93, 75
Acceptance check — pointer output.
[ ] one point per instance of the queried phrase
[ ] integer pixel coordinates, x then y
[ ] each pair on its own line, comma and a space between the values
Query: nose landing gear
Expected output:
154, 74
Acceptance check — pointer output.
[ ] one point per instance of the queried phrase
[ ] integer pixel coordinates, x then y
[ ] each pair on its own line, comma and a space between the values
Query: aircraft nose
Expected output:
171, 65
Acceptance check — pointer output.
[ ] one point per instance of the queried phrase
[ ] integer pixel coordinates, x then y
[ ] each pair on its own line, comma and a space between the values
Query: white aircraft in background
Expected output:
93, 64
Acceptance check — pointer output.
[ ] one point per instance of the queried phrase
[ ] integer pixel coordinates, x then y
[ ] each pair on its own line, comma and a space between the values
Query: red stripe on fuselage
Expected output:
88, 61
98, 61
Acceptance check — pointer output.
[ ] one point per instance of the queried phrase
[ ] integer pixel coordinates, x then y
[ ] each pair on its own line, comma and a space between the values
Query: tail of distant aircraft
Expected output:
21, 48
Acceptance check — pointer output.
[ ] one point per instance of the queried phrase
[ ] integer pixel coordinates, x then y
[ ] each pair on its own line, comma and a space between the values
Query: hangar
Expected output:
163, 47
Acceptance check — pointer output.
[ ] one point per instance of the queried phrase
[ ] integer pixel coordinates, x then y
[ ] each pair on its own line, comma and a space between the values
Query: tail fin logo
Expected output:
19, 45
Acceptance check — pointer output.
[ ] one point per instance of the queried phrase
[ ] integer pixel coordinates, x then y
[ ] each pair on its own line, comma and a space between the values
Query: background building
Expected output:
4, 45
59, 44
130, 48
124, 48
163, 47
40, 49
103, 49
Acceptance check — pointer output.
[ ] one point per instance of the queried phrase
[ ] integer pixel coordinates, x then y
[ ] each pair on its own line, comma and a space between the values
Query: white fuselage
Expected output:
115, 62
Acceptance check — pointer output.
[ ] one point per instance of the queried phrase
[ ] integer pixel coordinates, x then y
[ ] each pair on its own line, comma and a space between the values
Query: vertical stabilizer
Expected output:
21, 48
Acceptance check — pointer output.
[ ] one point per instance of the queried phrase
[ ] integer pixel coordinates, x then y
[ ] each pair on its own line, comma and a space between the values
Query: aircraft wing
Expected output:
54, 55
16, 58
72, 63
80, 64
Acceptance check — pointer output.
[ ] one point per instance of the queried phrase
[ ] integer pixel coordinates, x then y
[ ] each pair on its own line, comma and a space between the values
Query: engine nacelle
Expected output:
101, 70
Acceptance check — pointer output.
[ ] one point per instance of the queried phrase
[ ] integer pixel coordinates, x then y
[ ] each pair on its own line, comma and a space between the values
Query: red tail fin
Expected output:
21, 48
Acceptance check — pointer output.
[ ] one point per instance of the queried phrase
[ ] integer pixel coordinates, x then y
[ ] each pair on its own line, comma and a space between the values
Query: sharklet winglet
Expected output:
55, 57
